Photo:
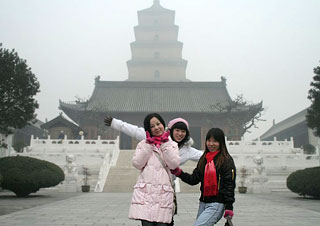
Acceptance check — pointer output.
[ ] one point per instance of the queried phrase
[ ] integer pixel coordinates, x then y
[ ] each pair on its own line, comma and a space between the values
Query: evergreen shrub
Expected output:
309, 149
24, 175
305, 182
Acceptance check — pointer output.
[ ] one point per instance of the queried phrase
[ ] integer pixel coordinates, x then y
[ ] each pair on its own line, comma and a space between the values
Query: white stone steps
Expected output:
123, 176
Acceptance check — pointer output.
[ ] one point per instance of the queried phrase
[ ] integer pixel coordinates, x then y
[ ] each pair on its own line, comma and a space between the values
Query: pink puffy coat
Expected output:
152, 198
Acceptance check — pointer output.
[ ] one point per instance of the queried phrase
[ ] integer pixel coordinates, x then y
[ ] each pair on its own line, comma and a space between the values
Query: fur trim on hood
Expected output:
189, 142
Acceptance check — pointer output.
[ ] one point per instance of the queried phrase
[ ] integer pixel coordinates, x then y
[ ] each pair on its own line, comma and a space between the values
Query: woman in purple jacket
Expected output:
152, 199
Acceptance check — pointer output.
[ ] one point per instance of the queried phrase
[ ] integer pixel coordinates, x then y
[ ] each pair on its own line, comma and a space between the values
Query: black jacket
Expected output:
226, 177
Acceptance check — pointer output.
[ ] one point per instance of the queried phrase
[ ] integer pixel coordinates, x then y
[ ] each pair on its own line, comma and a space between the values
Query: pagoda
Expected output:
157, 83
156, 52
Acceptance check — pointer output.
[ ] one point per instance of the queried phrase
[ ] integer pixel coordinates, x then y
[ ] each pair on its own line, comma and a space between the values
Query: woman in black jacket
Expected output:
217, 173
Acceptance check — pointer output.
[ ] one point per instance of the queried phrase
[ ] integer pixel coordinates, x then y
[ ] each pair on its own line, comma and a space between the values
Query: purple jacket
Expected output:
152, 198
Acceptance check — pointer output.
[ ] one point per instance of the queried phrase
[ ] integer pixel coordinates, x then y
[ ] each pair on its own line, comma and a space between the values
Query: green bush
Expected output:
309, 149
305, 182
25, 175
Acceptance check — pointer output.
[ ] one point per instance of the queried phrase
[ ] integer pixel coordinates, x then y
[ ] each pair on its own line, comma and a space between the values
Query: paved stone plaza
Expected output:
101, 209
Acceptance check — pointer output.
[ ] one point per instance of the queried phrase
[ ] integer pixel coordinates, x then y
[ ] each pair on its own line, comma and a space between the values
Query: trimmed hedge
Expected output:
24, 175
0, 180
309, 149
305, 182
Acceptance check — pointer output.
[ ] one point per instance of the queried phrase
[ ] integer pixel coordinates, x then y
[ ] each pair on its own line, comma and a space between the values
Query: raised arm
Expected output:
192, 179
189, 153
124, 127
195, 154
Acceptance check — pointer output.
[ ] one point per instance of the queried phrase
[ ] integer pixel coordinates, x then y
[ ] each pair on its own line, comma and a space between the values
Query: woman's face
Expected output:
212, 144
156, 127
178, 134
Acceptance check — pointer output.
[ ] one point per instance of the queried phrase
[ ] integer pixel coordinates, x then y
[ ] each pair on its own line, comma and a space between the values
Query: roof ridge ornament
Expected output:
156, 1
224, 80
96, 79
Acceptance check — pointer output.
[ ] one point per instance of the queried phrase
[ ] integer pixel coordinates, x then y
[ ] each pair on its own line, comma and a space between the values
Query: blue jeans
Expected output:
209, 213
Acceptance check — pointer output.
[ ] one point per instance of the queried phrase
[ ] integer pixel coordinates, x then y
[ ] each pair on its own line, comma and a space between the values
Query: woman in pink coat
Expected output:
152, 199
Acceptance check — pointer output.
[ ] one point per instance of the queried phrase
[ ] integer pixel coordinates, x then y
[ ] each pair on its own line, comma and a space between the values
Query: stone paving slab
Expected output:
111, 209
9, 202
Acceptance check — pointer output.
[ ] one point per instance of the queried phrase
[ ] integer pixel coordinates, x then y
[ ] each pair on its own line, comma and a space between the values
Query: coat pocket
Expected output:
166, 196
139, 193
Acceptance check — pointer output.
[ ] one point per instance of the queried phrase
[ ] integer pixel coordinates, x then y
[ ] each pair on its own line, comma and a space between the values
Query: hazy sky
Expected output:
266, 49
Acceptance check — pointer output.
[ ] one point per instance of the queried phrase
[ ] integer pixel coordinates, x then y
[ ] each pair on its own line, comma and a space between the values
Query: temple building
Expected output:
61, 126
294, 127
157, 83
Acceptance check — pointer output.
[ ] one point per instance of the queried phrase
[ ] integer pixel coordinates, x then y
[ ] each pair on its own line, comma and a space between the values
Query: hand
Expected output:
228, 213
108, 121
177, 171
149, 140
164, 136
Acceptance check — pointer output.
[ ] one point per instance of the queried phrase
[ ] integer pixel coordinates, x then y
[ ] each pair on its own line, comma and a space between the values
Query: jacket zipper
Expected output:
219, 182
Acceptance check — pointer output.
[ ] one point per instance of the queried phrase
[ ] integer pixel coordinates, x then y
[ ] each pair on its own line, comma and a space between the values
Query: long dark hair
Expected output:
147, 119
219, 136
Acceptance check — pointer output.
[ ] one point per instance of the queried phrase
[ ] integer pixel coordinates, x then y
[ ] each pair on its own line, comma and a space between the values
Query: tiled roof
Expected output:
285, 124
62, 120
156, 8
133, 96
161, 97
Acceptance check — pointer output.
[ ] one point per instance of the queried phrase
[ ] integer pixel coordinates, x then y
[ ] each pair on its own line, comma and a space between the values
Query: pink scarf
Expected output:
158, 140
210, 176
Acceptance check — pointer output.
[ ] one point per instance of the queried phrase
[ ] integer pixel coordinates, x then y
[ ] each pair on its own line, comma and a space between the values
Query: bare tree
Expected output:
93, 114
241, 114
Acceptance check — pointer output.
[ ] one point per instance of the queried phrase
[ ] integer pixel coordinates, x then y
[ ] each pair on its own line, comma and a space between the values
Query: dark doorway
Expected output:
195, 133
125, 141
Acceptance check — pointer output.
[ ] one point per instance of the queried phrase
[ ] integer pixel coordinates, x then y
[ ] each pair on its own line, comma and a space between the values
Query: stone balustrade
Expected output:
280, 158
97, 155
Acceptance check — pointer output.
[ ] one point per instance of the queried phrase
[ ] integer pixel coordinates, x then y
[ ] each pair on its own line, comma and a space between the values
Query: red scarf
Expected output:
210, 176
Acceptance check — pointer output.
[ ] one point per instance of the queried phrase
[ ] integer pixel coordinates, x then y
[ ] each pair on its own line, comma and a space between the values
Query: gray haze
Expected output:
266, 49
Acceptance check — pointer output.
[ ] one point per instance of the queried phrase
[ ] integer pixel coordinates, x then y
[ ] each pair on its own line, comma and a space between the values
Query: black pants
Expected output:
148, 223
